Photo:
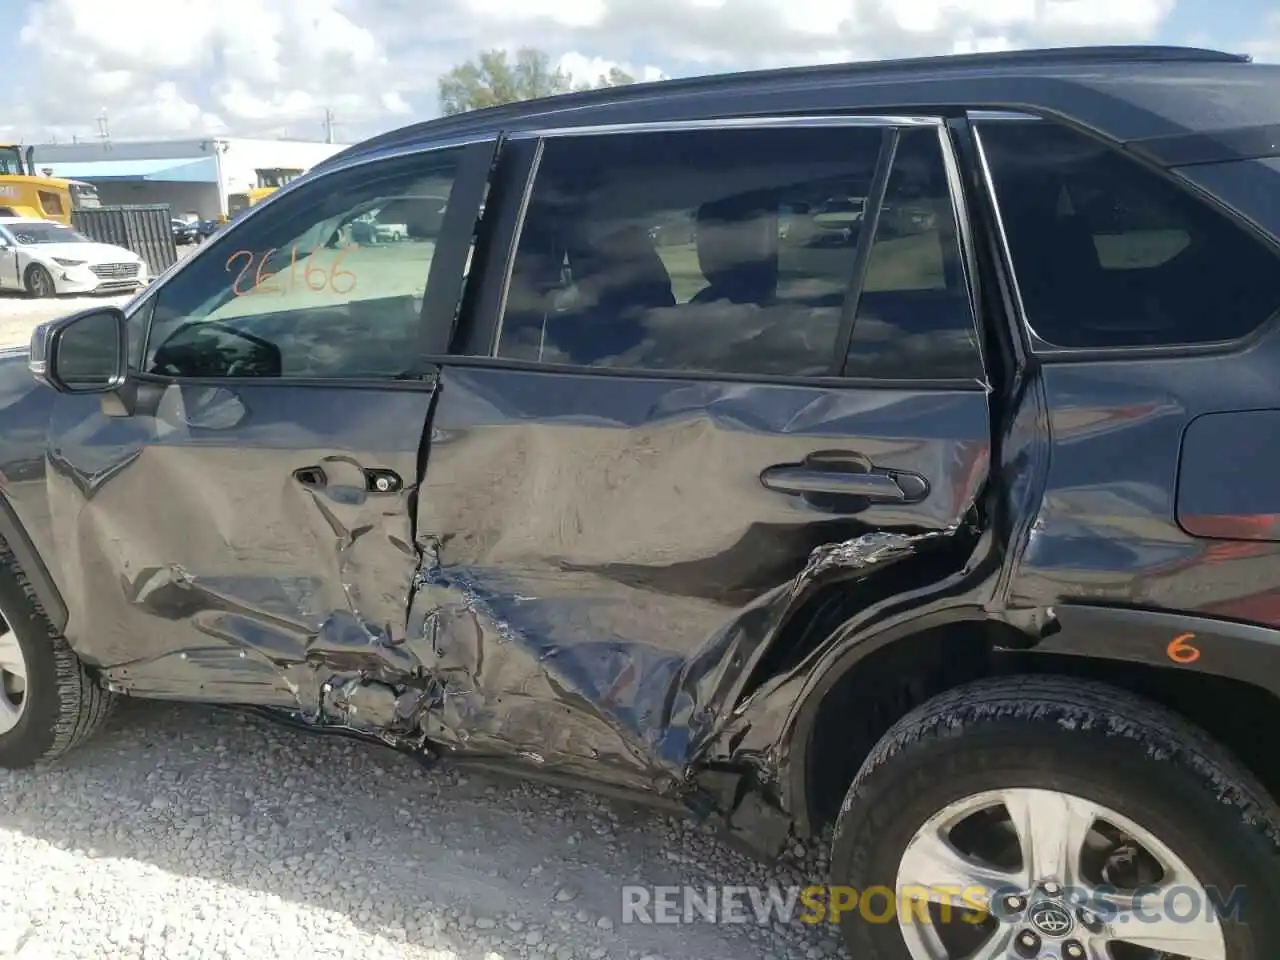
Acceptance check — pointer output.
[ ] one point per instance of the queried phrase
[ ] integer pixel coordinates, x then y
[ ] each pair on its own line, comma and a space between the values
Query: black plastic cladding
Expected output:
584, 574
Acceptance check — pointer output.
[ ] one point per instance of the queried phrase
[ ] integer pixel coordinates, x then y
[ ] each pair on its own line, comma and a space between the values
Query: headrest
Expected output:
736, 233
422, 216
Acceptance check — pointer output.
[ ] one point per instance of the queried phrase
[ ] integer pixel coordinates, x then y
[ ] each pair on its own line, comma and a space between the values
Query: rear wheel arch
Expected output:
873, 683
884, 677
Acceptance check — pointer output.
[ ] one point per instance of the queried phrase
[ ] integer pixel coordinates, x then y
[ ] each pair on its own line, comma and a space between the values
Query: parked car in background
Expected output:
958, 538
46, 259
184, 231
204, 229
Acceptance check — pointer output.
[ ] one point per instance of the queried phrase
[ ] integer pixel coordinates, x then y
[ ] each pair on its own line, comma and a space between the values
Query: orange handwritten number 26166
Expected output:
317, 276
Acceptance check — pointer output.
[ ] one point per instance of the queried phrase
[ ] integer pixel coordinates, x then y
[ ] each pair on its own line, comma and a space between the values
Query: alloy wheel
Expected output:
1042, 875
13, 679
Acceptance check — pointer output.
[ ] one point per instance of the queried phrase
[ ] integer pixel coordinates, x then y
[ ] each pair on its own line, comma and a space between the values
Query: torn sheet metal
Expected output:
234, 546
598, 588
589, 708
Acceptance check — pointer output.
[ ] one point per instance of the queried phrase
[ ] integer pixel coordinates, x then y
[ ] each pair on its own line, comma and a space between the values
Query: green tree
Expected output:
493, 78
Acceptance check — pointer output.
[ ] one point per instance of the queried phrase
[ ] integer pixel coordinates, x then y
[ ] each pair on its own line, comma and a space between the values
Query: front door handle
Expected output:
371, 480
845, 475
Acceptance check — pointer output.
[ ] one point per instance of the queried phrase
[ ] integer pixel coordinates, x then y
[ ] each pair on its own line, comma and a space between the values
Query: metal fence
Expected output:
146, 229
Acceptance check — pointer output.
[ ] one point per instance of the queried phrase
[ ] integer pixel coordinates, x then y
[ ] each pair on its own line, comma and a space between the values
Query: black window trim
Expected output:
480, 331
472, 147
1042, 350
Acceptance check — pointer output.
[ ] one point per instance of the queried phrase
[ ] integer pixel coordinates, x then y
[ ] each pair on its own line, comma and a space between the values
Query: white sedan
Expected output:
45, 259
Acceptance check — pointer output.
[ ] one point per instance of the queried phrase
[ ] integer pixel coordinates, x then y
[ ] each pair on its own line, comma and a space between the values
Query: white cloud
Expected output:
568, 13
586, 69
186, 67
1266, 47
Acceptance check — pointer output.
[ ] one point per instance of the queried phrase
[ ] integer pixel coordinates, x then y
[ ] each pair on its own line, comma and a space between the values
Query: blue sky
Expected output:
194, 67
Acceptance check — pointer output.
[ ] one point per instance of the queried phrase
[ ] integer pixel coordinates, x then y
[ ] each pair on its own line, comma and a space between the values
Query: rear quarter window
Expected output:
1109, 254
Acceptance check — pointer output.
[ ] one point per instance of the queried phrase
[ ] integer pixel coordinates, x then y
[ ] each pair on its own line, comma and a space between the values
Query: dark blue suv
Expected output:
959, 537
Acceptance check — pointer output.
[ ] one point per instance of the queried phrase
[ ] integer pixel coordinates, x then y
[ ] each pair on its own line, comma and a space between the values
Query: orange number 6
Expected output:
1181, 651
335, 273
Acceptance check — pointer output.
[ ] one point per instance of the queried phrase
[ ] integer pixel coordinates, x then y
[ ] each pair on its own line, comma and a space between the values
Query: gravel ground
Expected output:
184, 832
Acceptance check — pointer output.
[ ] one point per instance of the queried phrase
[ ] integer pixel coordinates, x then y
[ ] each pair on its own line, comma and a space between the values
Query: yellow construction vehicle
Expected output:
270, 179
24, 192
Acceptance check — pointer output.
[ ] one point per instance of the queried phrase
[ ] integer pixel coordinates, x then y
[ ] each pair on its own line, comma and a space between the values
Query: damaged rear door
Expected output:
719, 354
235, 525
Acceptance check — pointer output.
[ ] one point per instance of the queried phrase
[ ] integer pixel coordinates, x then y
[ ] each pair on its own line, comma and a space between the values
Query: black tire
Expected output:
63, 705
39, 282
1088, 739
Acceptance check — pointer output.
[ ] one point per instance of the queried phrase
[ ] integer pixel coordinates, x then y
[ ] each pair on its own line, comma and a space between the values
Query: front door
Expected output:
235, 525
706, 376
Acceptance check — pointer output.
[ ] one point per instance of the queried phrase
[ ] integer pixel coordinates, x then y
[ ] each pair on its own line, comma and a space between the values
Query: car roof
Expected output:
1156, 94
11, 221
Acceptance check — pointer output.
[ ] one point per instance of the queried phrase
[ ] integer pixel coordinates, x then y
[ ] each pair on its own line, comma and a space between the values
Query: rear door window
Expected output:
1108, 253
732, 251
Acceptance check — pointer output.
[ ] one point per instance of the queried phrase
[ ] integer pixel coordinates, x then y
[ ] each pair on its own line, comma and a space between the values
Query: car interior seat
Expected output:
737, 244
1056, 258
619, 278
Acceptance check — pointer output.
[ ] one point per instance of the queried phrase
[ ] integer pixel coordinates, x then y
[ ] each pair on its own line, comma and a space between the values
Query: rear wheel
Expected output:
48, 702
40, 282
1044, 818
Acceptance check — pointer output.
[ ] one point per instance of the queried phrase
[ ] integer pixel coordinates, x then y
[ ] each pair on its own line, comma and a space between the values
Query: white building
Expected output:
195, 177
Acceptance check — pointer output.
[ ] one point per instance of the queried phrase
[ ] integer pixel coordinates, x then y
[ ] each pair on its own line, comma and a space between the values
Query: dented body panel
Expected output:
600, 586
198, 563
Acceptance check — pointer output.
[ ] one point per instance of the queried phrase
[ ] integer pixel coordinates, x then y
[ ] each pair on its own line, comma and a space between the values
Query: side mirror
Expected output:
87, 352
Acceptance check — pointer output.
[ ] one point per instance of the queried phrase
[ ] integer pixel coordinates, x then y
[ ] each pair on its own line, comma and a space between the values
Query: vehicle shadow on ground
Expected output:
468, 864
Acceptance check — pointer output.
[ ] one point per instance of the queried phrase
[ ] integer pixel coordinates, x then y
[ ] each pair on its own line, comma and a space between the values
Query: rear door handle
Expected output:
848, 475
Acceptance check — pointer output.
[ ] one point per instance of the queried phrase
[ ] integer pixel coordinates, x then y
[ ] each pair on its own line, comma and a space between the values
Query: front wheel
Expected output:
48, 702
39, 282
1039, 817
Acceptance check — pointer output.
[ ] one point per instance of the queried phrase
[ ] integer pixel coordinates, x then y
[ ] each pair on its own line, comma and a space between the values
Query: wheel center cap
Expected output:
1051, 920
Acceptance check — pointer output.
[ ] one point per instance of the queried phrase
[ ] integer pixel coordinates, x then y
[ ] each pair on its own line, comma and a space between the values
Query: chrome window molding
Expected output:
731, 123
981, 116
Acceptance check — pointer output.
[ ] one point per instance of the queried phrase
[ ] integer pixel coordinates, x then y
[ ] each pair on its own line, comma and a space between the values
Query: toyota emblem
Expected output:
1051, 920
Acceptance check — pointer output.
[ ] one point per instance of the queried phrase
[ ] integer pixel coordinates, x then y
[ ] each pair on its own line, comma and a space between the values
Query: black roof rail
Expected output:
1116, 53
712, 83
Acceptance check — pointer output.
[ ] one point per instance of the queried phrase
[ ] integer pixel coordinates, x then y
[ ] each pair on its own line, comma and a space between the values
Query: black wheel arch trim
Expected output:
1245, 652
793, 778
33, 566
1233, 649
